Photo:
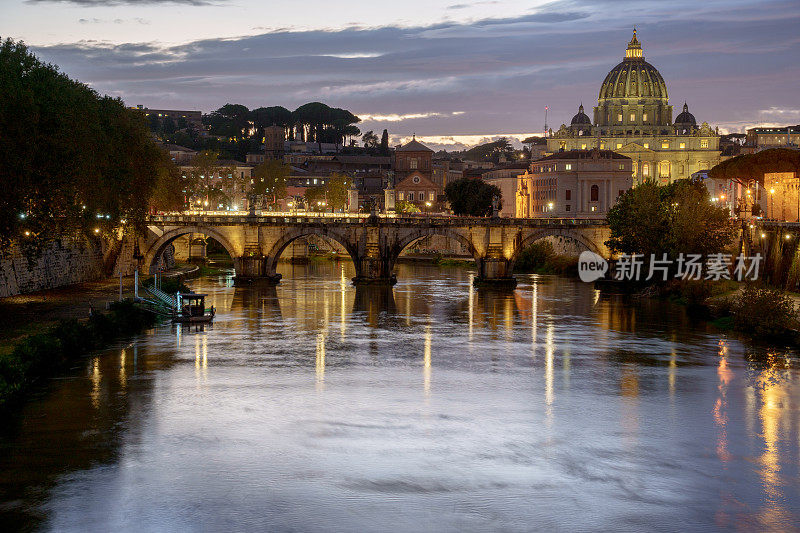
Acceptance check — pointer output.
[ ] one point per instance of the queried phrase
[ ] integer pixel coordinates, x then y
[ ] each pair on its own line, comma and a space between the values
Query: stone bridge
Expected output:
255, 242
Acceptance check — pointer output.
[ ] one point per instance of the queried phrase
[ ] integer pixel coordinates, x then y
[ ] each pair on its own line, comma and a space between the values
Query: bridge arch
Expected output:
539, 234
406, 240
287, 238
157, 248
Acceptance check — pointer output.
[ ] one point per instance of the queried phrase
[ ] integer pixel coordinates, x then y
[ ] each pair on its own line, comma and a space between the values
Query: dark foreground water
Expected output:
316, 406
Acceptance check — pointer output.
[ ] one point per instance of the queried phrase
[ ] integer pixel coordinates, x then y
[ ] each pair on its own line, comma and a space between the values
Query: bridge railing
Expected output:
277, 218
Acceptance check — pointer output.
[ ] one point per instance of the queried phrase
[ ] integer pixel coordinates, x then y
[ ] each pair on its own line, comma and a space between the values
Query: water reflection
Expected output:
311, 391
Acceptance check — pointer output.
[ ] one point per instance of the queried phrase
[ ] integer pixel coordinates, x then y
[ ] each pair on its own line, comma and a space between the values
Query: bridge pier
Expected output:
371, 270
495, 272
253, 268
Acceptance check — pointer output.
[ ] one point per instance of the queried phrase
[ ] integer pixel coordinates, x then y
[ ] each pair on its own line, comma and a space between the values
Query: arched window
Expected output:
664, 169
595, 193
645, 170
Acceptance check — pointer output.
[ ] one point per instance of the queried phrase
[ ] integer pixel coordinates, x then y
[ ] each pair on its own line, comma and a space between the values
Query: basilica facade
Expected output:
633, 118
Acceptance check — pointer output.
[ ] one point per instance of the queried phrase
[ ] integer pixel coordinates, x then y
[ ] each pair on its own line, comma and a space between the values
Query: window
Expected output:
400, 196
619, 145
583, 146
647, 145
622, 166
633, 117
682, 146
664, 144
412, 163
644, 117
664, 169
431, 196
568, 166
411, 197
594, 194
704, 143
645, 170
566, 208
619, 117
602, 146
415, 179
569, 194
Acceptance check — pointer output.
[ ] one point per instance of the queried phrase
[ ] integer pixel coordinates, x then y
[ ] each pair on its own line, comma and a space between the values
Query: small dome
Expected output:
580, 118
685, 118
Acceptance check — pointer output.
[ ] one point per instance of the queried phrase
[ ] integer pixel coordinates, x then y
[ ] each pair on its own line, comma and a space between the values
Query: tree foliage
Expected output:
471, 197
203, 181
491, 151
336, 189
269, 180
752, 167
672, 219
72, 160
314, 197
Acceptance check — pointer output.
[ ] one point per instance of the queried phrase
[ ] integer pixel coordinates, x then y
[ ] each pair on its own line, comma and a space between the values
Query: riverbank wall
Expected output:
68, 261
65, 262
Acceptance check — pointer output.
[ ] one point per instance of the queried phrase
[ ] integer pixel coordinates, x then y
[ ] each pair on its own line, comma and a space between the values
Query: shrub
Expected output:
534, 256
763, 311
44, 354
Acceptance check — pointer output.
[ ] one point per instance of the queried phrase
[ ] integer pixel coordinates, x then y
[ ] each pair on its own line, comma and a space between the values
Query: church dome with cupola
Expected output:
580, 118
634, 95
634, 78
633, 117
685, 122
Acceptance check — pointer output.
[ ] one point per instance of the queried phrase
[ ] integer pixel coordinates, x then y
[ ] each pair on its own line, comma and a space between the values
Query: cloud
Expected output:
114, 21
114, 3
408, 116
480, 77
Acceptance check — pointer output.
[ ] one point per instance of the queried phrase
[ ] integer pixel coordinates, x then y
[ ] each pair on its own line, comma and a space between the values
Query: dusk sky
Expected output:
453, 73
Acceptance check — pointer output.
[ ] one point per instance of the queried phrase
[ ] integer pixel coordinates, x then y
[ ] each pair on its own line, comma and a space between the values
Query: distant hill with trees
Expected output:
234, 130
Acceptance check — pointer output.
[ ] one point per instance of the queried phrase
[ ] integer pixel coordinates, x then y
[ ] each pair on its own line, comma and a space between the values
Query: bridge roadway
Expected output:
255, 242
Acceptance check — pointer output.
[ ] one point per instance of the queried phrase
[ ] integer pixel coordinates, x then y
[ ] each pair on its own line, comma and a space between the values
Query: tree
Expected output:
168, 193
471, 197
315, 197
672, 219
752, 167
269, 180
370, 140
204, 180
385, 142
491, 151
72, 161
337, 189
402, 206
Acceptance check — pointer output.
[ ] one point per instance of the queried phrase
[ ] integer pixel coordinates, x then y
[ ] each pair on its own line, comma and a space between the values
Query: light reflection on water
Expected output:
318, 406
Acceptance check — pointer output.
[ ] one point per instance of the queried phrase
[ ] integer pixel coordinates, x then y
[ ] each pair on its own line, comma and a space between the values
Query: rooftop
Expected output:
584, 154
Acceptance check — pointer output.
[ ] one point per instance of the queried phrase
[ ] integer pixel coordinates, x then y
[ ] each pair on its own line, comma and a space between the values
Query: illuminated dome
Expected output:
580, 118
685, 120
634, 78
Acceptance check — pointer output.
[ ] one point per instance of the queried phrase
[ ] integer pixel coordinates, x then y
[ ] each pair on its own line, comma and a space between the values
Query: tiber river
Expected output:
314, 406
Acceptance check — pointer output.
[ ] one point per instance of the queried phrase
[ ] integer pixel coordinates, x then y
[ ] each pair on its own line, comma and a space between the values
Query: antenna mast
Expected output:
545, 120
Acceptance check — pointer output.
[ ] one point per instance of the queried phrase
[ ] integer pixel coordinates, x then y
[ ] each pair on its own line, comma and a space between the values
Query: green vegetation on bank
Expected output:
46, 354
541, 258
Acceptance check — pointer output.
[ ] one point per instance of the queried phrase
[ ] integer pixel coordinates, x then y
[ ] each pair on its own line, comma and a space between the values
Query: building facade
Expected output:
633, 117
418, 190
763, 138
410, 158
576, 183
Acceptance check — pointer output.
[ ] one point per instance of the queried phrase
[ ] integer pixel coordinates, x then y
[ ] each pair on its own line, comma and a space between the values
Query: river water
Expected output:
432, 406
